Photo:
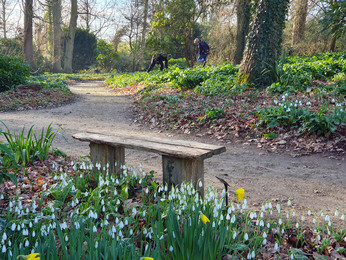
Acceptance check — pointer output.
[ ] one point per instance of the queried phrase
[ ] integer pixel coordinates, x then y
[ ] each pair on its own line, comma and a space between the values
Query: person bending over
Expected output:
203, 49
159, 59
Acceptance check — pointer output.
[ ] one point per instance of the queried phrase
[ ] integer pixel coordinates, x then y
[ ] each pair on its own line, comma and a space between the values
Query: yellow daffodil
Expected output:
146, 258
239, 193
34, 256
204, 219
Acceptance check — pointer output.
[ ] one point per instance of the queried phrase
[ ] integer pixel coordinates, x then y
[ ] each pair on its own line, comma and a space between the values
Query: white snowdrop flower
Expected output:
173, 235
253, 254
121, 225
115, 192
287, 216
213, 225
103, 209
13, 227
278, 207
66, 238
261, 223
293, 213
292, 256
276, 246
102, 202
314, 221
268, 225
336, 213
22, 225
171, 248
308, 103
248, 256
18, 228
63, 225
251, 215
94, 229
144, 213
264, 235
228, 217
126, 222
3, 249
329, 223
280, 221
72, 204
327, 218
221, 217
303, 218
4, 236
26, 243
297, 225
319, 238
234, 235
134, 211
270, 205
131, 232
33, 233
264, 241
342, 217
229, 210
96, 244
118, 201
262, 215
233, 219
246, 237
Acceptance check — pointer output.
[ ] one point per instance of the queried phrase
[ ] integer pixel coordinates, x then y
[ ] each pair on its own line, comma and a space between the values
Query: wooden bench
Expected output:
181, 160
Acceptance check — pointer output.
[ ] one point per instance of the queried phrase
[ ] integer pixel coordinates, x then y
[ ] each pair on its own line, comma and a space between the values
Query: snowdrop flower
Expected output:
3, 249
94, 229
336, 213
234, 235
327, 218
171, 248
297, 225
289, 203
264, 241
309, 212
280, 221
26, 243
314, 221
13, 227
308, 103
342, 217
276, 246
246, 237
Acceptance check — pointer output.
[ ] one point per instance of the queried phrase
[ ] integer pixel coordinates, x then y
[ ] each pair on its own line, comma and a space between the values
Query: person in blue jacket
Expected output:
159, 59
203, 49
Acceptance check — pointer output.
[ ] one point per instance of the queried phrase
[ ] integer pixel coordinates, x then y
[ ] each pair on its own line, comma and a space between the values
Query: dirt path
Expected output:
311, 182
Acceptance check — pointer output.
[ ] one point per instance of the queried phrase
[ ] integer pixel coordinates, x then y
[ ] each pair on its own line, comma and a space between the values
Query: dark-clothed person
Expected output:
203, 51
159, 59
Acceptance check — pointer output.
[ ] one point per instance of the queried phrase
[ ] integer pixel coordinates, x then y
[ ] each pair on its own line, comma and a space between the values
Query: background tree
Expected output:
301, 11
28, 43
57, 54
69, 40
263, 42
334, 20
7, 8
243, 20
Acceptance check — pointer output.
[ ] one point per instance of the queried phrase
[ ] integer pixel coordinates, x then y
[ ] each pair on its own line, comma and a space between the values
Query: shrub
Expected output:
13, 71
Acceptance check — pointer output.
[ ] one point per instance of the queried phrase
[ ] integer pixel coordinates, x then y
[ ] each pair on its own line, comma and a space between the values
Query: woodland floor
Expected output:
311, 180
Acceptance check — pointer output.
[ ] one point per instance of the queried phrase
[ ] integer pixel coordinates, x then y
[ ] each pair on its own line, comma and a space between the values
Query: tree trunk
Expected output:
263, 46
332, 44
56, 11
144, 30
70, 38
28, 42
243, 19
3, 17
299, 21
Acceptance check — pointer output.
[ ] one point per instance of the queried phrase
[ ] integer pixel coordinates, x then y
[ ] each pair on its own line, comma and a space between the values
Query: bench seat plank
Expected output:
168, 147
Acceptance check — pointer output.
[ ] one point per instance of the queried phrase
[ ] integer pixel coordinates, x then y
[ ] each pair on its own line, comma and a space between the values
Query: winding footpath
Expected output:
312, 182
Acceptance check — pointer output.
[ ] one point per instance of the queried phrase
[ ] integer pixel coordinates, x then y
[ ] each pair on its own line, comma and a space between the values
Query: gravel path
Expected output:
312, 181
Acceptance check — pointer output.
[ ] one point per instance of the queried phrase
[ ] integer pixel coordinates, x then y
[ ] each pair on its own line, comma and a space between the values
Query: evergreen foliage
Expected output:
84, 53
13, 71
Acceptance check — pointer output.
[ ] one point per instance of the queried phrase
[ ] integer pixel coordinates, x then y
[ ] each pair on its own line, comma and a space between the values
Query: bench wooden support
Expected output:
103, 153
176, 170
181, 160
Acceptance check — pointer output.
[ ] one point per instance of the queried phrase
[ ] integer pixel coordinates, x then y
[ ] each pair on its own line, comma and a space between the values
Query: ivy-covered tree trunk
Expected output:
263, 45
299, 21
69, 43
243, 20
28, 41
56, 11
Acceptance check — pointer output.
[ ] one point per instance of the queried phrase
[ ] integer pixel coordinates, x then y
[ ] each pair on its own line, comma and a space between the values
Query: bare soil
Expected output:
313, 181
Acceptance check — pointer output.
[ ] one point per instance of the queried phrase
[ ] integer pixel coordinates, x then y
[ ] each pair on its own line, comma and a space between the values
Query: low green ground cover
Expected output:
75, 210
307, 98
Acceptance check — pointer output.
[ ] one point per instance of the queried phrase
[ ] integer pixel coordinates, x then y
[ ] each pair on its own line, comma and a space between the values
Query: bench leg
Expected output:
102, 153
177, 170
